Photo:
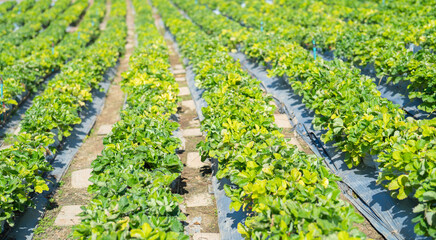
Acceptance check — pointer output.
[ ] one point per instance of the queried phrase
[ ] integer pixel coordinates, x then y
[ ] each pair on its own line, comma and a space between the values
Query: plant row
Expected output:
21, 23
6, 6
132, 198
36, 21
290, 195
26, 74
23, 164
44, 40
350, 109
17, 12
57, 107
360, 45
406, 21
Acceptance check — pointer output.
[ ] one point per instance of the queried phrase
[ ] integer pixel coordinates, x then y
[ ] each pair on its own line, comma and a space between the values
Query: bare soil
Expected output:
365, 226
93, 145
193, 181
106, 17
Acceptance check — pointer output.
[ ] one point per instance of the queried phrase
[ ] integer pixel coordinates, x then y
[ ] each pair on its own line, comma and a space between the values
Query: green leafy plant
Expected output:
23, 74
132, 177
347, 105
362, 34
288, 193
55, 111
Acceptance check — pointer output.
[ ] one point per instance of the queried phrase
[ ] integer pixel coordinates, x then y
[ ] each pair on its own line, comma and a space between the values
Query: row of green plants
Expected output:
398, 17
359, 44
59, 105
403, 21
6, 6
406, 21
24, 163
349, 107
16, 12
288, 194
36, 21
26, 74
16, 24
132, 198
54, 33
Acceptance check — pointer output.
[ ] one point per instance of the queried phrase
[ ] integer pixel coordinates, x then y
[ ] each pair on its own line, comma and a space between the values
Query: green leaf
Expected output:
420, 144
137, 233
393, 185
11, 101
430, 217
429, 196
401, 194
236, 205
397, 155
419, 208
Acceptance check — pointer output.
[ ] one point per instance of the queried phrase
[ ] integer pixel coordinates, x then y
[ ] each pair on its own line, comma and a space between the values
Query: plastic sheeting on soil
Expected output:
15, 114
391, 217
227, 219
396, 93
27, 222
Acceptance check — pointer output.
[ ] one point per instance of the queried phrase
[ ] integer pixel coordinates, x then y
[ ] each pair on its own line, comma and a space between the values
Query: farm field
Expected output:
218, 119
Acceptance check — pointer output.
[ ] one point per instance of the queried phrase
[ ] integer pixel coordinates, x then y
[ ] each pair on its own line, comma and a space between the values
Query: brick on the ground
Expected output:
188, 104
179, 71
206, 236
68, 216
104, 129
199, 200
178, 67
184, 91
194, 160
194, 123
180, 79
282, 121
192, 132
79, 179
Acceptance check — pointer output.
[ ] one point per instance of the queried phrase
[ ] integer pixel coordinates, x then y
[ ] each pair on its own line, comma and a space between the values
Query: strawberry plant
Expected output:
381, 44
346, 105
132, 198
409, 167
11, 15
51, 35
36, 21
7, 6
288, 193
20, 168
26, 74
56, 110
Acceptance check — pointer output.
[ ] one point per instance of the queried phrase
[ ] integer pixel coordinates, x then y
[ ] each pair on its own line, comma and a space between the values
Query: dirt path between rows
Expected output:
196, 185
71, 194
73, 27
106, 17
